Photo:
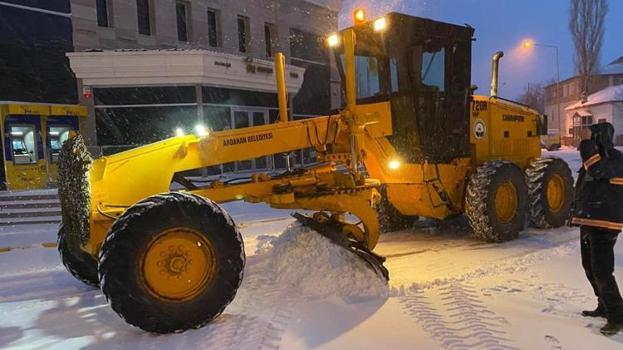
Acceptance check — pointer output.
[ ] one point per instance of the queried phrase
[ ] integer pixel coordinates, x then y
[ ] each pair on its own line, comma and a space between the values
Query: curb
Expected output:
44, 245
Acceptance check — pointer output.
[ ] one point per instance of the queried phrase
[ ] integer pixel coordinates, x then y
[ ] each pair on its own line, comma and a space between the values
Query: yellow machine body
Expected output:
32, 134
410, 140
504, 130
358, 135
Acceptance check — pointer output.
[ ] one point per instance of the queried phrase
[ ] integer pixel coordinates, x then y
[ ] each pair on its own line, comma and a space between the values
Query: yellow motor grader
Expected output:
410, 141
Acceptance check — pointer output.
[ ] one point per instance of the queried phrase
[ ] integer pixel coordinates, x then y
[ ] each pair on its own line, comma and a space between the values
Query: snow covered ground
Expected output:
447, 290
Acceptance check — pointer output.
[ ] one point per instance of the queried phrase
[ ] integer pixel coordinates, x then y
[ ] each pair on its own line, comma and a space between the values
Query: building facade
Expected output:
558, 97
34, 37
601, 107
244, 30
37, 35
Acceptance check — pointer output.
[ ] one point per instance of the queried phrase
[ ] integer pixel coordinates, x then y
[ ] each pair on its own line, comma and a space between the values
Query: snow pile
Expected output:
318, 268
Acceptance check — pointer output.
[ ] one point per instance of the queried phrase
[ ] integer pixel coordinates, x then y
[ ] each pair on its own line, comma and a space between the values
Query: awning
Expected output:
122, 68
583, 113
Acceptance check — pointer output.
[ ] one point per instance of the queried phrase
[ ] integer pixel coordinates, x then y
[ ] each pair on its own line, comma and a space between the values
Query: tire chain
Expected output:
534, 175
138, 209
476, 200
73, 188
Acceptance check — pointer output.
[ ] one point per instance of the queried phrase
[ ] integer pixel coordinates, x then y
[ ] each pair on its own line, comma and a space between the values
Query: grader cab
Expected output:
411, 140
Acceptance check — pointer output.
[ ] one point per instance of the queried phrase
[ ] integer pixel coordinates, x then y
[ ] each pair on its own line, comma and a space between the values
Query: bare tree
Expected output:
587, 25
533, 95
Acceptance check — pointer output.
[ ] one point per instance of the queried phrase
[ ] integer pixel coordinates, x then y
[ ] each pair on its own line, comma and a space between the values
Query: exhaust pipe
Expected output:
495, 67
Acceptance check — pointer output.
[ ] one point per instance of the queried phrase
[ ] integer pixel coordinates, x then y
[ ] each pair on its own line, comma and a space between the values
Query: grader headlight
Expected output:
333, 40
394, 164
201, 130
380, 24
179, 132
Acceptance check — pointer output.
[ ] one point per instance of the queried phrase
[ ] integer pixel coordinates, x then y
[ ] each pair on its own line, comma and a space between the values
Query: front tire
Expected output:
550, 186
79, 263
496, 201
172, 262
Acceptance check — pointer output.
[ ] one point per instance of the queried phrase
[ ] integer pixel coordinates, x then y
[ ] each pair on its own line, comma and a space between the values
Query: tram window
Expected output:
24, 144
57, 136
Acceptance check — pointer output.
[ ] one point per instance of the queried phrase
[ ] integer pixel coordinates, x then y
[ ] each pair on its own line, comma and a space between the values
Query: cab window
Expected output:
367, 76
433, 68
24, 146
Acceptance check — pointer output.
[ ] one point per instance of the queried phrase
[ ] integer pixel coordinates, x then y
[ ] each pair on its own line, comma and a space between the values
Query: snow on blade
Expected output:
318, 268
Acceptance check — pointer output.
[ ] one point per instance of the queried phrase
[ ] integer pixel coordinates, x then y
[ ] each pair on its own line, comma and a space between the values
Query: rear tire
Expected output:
390, 219
78, 262
172, 262
550, 185
496, 201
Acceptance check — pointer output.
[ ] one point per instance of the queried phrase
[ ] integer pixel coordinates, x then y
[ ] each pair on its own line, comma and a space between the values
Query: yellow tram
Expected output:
32, 135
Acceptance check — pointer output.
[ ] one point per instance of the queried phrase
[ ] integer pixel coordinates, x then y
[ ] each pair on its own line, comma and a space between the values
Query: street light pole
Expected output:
558, 97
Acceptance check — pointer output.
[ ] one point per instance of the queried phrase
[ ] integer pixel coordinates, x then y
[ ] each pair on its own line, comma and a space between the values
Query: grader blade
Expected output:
333, 231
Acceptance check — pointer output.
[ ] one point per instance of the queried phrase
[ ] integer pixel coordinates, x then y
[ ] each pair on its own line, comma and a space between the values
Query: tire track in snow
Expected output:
461, 321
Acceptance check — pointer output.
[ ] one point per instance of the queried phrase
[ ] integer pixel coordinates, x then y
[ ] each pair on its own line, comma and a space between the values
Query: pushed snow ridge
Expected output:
310, 263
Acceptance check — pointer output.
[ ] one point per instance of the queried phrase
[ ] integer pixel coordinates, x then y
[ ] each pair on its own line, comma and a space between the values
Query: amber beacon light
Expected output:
359, 16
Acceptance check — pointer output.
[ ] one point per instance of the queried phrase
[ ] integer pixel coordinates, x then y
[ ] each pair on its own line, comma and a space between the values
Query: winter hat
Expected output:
603, 135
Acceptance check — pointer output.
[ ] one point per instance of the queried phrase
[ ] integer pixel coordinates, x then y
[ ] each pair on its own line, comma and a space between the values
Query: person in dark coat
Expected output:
598, 210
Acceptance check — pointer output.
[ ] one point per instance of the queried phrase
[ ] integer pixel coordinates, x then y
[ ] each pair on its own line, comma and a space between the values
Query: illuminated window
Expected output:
56, 137
23, 144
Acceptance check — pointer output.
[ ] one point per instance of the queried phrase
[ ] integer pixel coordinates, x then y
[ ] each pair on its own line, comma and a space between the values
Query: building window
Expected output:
144, 16
308, 50
183, 24
601, 121
269, 38
308, 46
102, 13
243, 33
214, 27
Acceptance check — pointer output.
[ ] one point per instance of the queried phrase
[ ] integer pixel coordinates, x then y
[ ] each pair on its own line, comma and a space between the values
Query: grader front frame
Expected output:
169, 261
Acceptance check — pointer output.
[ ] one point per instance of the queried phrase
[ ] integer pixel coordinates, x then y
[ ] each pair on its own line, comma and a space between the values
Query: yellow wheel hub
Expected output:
179, 264
555, 193
506, 202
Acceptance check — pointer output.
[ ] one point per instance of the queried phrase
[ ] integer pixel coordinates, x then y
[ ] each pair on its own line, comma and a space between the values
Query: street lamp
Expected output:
528, 44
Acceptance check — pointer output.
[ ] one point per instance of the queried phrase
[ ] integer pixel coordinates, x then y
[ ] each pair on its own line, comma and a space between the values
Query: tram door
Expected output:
23, 152
58, 130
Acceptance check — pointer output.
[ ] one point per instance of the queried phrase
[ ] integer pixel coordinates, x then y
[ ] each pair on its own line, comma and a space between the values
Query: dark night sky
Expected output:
502, 25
